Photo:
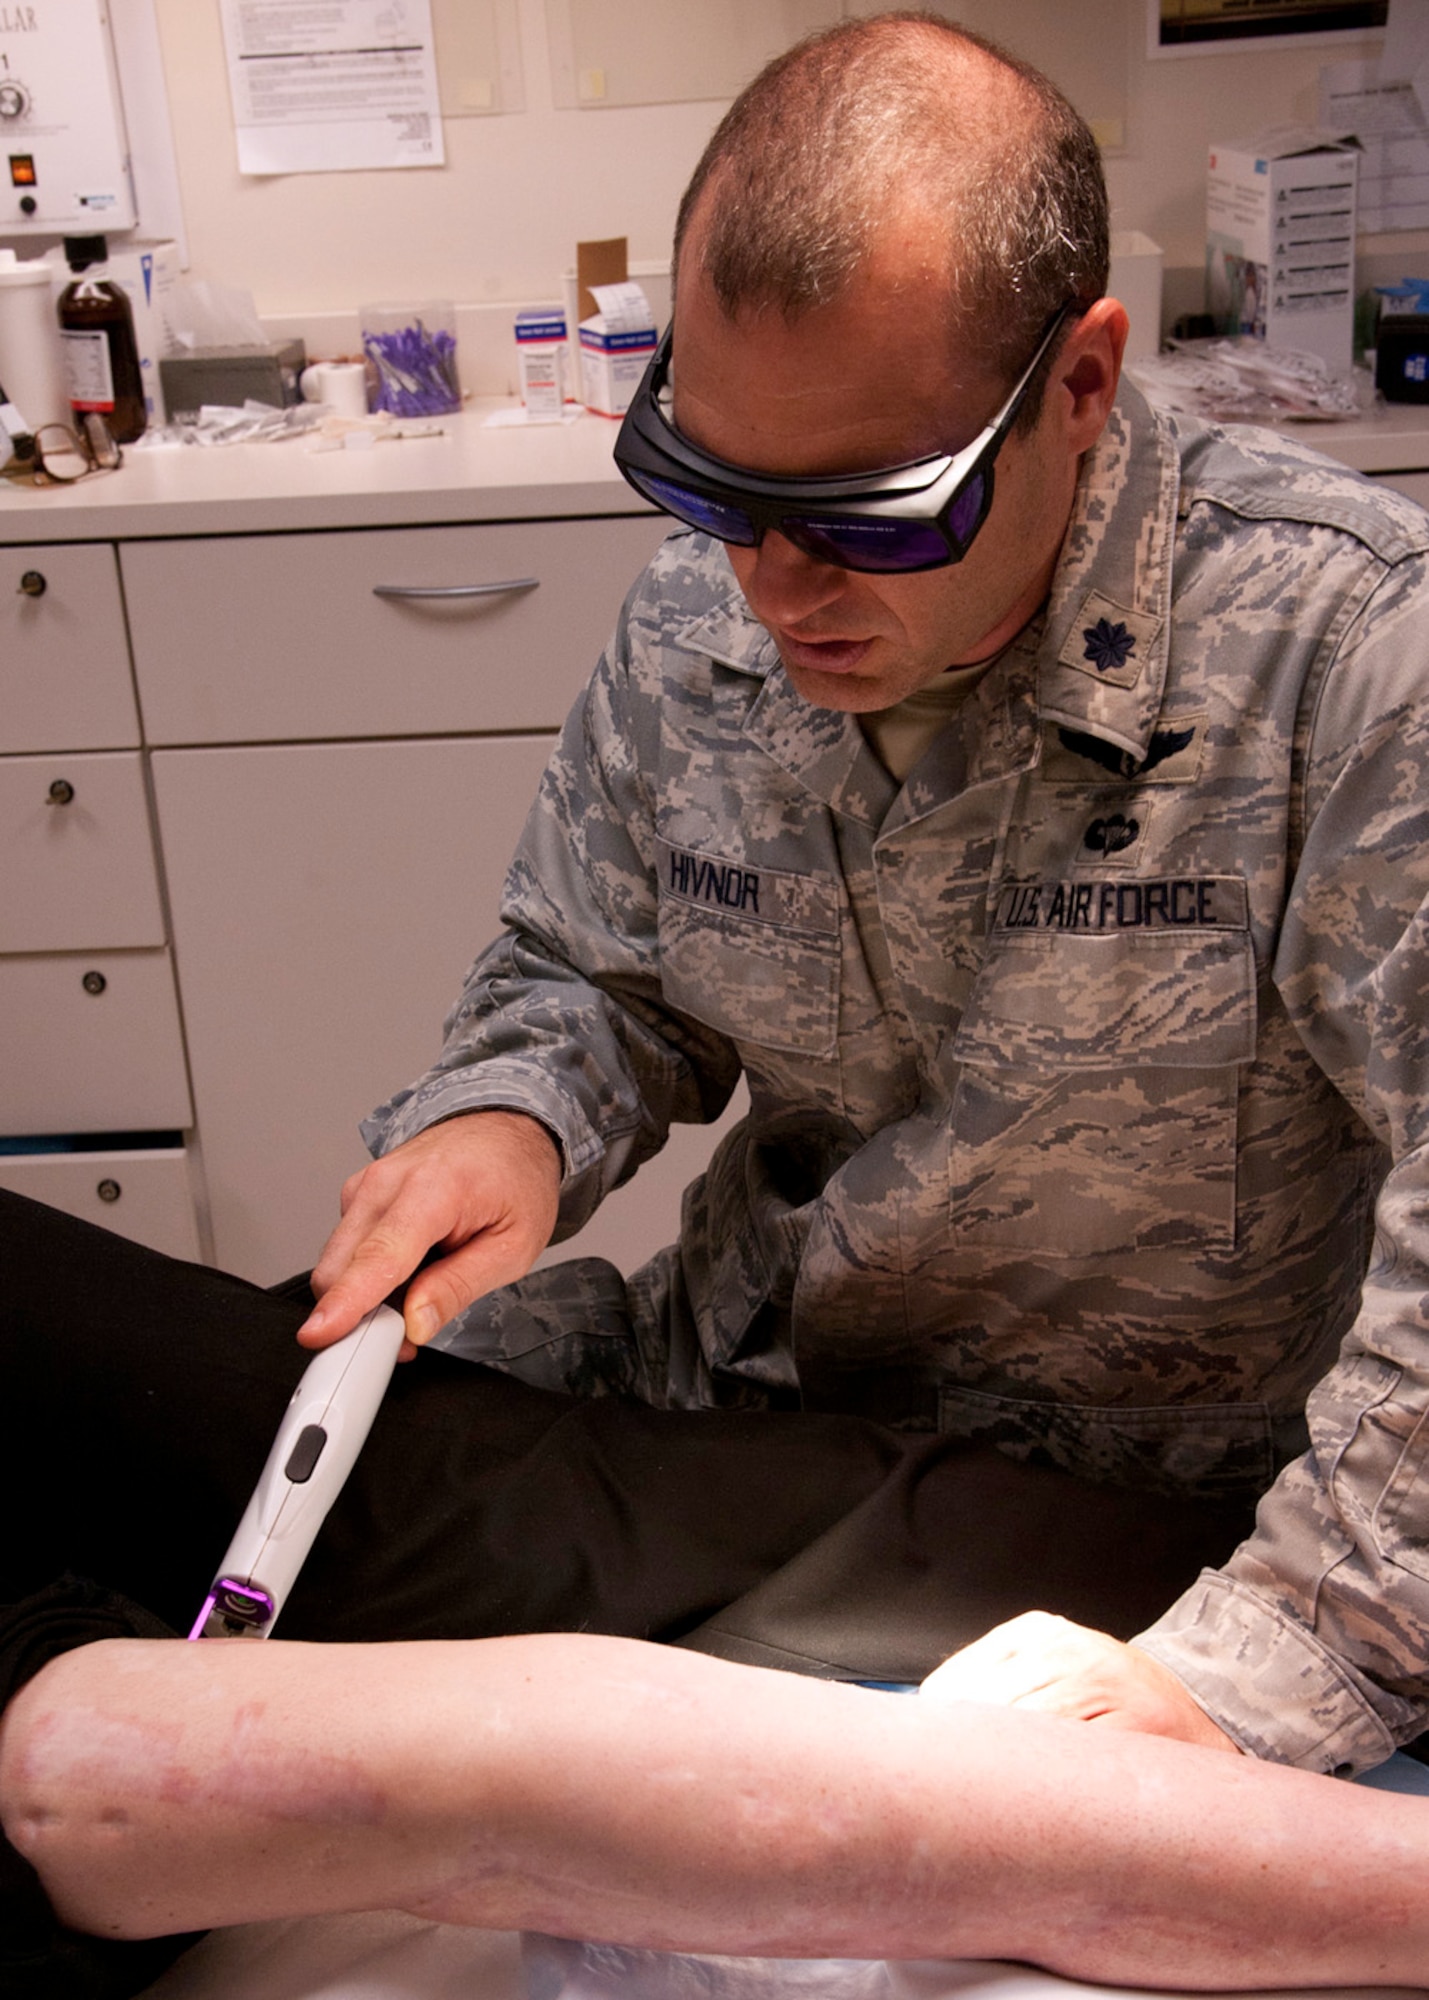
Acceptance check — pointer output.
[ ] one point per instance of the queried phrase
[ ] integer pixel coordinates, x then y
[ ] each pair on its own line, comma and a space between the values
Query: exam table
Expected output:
393, 1957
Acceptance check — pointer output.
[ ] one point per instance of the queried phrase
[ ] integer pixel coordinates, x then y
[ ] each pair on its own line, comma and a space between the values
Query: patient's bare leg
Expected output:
602, 1788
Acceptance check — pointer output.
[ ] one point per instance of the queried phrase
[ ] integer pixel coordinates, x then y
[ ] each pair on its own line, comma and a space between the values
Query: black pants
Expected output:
140, 1397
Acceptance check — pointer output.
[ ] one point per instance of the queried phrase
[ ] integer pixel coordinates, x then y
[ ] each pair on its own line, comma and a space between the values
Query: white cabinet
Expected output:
327, 899
79, 854
332, 865
65, 682
403, 632
89, 1018
142, 1192
93, 1044
268, 733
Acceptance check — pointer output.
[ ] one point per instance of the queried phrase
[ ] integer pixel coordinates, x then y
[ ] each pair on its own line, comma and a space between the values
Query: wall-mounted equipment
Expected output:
64, 155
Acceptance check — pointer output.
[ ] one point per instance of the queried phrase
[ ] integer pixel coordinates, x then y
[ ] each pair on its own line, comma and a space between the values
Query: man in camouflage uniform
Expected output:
1059, 905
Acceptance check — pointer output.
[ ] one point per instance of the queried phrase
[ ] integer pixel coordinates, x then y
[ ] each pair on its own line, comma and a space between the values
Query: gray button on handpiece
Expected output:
303, 1458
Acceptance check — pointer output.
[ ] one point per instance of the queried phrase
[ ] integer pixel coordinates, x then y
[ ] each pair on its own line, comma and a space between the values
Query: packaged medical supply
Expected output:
617, 343
542, 353
1410, 295
1280, 241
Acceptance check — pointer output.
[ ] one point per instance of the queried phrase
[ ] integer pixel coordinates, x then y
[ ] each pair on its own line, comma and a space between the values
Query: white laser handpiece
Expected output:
322, 1431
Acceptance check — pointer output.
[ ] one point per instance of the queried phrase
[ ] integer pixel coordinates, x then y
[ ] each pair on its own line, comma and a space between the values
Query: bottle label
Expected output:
91, 379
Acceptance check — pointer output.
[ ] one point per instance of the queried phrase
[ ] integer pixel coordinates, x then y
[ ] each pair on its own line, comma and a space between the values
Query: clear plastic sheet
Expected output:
1243, 381
558, 1969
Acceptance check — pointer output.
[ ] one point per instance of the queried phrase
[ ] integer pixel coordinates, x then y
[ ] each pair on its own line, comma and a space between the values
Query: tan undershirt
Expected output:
898, 736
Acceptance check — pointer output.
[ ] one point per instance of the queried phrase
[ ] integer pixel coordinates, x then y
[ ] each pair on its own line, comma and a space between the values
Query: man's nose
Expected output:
783, 584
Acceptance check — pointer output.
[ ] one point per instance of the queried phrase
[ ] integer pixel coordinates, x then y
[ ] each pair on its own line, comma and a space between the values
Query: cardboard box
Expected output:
233, 376
1280, 241
617, 344
147, 274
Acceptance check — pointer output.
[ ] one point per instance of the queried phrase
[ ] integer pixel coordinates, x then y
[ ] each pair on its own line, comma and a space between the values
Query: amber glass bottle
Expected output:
101, 353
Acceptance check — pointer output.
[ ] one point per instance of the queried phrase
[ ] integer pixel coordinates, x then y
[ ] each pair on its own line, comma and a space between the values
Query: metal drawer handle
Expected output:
33, 583
61, 792
456, 589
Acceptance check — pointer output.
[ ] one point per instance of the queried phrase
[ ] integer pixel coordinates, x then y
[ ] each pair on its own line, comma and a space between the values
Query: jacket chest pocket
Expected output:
1094, 1108
752, 952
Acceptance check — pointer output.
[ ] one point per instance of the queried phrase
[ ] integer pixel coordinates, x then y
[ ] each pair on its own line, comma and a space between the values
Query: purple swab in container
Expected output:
411, 355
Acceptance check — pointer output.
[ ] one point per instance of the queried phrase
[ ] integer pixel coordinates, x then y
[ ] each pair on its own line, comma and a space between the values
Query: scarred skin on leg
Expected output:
602, 1788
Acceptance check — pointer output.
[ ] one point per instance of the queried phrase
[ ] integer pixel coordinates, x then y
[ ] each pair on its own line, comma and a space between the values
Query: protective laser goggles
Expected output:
907, 517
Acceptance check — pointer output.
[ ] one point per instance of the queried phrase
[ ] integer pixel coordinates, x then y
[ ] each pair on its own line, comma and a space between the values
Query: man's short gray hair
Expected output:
905, 115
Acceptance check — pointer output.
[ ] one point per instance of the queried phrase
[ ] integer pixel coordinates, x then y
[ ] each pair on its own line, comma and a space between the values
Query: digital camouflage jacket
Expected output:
1088, 1069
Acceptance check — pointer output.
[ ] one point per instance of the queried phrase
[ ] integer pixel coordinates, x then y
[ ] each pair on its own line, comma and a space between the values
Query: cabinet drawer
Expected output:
79, 868
144, 1195
314, 987
64, 658
285, 637
92, 1044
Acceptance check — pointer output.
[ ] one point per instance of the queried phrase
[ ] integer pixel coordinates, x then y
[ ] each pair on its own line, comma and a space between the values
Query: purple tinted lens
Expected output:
867, 544
965, 516
716, 517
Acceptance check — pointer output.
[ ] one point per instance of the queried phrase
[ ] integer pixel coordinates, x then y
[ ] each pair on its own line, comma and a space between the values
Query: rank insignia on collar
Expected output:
1112, 644
1108, 646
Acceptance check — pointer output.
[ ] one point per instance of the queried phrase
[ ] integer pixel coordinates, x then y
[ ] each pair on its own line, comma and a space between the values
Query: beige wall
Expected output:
500, 220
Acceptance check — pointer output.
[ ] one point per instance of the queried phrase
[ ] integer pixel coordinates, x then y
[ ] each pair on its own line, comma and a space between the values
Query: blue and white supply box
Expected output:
1280, 241
616, 345
543, 354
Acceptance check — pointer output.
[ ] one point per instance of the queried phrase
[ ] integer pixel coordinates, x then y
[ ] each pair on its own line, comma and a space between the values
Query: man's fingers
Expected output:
375, 1269
450, 1284
484, 1188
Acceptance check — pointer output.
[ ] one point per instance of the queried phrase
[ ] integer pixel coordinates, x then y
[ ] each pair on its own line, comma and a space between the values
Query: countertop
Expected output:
471, 472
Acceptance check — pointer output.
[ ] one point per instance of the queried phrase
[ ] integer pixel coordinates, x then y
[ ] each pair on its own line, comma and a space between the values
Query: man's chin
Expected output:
853, 694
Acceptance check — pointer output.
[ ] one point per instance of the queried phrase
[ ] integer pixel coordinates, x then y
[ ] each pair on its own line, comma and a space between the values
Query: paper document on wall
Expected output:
1385, 104
332, 87
1384, 114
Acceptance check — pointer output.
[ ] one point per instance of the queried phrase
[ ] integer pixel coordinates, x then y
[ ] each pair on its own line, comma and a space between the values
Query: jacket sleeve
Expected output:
563, 1015
1311, 1645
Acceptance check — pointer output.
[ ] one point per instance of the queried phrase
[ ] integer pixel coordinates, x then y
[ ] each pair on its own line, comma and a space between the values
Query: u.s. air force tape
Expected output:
1165, 902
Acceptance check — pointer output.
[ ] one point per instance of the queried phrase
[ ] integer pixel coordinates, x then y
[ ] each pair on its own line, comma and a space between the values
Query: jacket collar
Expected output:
1107, 635
1100, 649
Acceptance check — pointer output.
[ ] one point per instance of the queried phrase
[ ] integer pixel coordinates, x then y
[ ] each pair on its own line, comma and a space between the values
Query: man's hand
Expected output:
1048, 1663
483, 1187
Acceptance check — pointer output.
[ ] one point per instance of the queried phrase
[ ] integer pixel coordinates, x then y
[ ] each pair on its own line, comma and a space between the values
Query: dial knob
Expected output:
14, 100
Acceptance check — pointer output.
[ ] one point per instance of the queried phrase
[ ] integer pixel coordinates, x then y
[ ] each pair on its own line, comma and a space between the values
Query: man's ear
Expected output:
1088, 369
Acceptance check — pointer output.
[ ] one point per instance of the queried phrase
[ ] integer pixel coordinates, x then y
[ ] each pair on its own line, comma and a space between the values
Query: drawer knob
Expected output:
109, 1190
61, 792
33, 584
94, 982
